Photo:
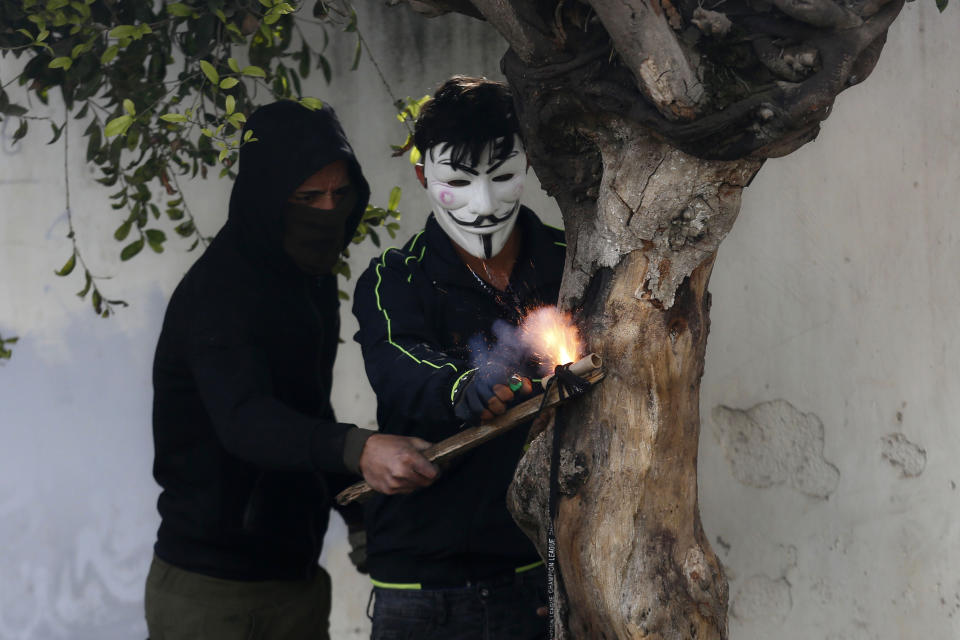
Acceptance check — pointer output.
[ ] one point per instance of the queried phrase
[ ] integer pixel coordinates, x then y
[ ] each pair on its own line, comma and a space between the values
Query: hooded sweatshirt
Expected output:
245, 436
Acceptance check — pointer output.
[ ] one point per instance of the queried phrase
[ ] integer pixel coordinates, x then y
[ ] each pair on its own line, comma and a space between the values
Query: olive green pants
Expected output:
182, 605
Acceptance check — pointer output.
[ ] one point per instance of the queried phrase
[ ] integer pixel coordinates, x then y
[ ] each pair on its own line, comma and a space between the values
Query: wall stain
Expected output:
773, 443
900, 453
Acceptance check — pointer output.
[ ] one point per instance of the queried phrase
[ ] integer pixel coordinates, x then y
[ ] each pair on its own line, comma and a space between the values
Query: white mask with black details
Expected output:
476, 206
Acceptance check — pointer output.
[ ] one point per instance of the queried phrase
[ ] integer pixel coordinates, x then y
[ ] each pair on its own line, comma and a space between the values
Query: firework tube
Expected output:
584, 365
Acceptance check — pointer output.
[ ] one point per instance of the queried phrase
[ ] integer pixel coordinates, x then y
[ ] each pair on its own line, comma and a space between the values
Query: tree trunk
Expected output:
633, 559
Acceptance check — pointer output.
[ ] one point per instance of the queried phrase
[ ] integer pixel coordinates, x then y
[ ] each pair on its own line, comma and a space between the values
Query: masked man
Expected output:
247, 448
448, 562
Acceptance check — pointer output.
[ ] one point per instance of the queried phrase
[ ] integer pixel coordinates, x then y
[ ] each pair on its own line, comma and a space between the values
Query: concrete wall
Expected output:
830, 398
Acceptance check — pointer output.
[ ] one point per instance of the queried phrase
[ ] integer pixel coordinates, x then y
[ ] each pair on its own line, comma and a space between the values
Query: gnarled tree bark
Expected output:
634, 562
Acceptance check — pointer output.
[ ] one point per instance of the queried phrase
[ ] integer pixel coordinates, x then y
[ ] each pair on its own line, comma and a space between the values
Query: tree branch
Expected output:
645, 42
519, 25
434, 8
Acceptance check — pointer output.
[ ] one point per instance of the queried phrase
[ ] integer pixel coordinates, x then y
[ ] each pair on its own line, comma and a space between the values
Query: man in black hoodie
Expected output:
247, 449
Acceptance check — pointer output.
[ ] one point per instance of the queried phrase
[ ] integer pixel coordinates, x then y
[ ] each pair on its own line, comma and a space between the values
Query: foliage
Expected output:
164, 89
407, 112
5, 352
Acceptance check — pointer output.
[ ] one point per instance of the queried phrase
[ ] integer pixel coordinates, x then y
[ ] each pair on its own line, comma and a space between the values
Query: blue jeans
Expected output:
502, 609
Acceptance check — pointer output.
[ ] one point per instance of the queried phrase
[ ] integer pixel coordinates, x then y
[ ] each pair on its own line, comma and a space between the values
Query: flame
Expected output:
551, 336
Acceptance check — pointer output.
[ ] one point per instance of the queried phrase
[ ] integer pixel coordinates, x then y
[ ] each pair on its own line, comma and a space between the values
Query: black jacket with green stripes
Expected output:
418, 308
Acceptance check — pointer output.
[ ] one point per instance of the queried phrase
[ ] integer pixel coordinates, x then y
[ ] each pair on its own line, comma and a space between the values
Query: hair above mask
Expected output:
466, 115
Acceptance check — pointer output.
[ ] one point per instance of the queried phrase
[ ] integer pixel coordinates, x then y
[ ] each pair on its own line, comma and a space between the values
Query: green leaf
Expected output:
97, 301
236, 120
184, 228
175, 214
128, 106
93, 146
231, 104
312, 103
343, 295
57, 131
53, 5
219, 13
325, 65
21, 131
352, 25
356, 56
254, 72
394, 199
210, 72
67, 266
173, 117
109, 54
13, 110
156, 238
941, 5
123, 31
123, 230
86, 287
304, 67
248, 136
229, 83
179, 10
118, 126
62, 62
233, 64
131, 249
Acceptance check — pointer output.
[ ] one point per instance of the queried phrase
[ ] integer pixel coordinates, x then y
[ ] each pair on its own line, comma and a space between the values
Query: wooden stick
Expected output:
473, 437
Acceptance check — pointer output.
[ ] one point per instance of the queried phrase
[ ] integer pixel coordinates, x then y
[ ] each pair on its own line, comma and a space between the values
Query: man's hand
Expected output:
393, 464
488, 393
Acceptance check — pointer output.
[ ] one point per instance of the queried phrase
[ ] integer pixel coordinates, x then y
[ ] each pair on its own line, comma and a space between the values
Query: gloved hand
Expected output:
486, 392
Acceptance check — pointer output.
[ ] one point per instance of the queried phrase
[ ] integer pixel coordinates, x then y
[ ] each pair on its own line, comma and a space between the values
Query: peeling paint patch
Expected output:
773, 443
910, 458
762, 598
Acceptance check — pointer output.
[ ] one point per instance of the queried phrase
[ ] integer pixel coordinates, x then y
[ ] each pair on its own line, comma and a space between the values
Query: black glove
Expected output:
475, 391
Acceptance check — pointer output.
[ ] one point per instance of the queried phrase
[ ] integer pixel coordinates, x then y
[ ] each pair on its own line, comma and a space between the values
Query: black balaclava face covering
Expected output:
313, 238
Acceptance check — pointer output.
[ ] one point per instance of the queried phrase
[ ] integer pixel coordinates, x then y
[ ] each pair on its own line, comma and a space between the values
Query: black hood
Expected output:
292, 143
